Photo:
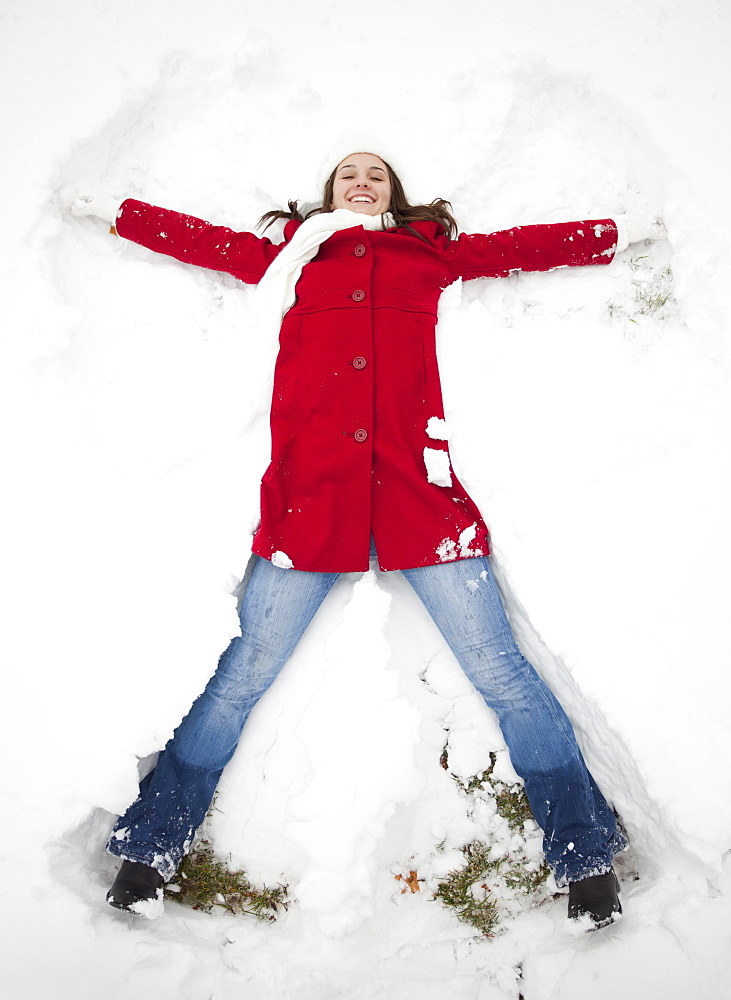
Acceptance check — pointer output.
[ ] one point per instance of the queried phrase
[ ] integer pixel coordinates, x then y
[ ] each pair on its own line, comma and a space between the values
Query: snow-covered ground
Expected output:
589, 422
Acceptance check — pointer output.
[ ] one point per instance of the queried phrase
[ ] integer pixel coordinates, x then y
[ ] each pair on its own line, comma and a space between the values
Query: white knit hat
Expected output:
355, 142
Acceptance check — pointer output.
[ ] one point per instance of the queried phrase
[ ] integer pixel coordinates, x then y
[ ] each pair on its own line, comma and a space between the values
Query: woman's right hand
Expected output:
102, 206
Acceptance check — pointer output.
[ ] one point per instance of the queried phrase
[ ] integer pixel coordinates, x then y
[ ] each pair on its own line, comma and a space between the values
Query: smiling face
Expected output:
362, 184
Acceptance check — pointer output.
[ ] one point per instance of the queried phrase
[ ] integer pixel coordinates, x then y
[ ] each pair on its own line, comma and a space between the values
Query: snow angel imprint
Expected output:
360, 459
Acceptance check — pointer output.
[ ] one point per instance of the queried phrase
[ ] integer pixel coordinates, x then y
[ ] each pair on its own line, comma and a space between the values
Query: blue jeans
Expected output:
580, 833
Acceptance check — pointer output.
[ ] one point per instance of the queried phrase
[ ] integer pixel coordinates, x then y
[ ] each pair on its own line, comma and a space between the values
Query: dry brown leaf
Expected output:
412, 882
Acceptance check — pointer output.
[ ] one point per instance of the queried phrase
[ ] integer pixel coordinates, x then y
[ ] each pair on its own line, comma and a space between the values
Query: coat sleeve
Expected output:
195, 241
532, 248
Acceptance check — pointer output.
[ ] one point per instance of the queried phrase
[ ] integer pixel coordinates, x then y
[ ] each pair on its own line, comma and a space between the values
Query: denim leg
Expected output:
277, 607
580, 832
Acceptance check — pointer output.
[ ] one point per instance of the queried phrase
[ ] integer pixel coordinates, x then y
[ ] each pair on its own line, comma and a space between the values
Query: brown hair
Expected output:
403, 213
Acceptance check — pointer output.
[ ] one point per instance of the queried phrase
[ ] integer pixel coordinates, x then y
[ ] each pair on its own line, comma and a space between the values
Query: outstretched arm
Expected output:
542, 248
532, 248
185, 237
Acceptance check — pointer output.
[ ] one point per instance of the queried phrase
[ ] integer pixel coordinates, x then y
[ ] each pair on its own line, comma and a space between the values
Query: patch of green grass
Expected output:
204, 882
510, 800
525, 879
473, 891
479, 890
650, 300
464, 890
512, 804
652, 296
653, 293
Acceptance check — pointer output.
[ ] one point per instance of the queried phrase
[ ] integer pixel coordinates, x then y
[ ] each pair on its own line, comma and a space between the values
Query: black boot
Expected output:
597, 896
136, 885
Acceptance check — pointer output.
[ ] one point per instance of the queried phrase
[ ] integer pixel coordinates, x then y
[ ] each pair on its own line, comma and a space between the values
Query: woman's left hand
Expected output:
639, 225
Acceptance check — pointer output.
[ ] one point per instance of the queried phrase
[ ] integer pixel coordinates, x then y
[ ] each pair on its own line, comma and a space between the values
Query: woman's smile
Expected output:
362, 184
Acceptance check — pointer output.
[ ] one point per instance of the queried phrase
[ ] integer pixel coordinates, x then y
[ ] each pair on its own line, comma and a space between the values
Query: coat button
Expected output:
360, 434
358, 295
359, 250
359, 362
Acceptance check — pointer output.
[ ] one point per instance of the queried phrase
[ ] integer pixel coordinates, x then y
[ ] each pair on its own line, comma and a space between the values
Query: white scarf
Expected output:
275, 294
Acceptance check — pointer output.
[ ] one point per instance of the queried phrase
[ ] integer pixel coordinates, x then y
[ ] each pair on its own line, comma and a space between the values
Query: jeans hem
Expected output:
161, 861
598, 865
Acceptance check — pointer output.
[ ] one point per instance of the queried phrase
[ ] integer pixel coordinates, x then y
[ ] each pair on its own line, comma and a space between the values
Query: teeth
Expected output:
362, 198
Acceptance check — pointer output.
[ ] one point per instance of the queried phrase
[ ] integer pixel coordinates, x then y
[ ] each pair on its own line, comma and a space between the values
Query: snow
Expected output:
448, 549
589, 423
438, 470
437, 428
151, 909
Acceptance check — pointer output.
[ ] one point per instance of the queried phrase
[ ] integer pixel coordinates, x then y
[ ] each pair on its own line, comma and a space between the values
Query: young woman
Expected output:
360, 460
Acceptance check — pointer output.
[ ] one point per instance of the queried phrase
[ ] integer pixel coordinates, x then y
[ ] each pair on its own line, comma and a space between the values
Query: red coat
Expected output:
356, 381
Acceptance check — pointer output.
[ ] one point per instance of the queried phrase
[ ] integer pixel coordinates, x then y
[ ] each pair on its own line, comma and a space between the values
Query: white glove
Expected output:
103, 206
637, 226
